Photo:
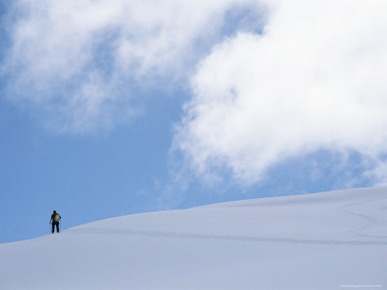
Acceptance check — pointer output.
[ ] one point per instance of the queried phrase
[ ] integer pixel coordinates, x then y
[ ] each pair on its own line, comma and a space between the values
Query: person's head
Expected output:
54, 211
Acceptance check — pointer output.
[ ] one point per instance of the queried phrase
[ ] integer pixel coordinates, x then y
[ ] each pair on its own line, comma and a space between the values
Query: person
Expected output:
54, 221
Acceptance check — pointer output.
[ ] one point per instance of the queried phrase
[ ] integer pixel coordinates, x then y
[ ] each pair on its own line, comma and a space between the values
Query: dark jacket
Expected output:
52, 220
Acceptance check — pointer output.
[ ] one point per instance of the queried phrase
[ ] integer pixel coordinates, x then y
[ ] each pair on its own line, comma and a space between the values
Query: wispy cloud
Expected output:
294, 78
76, 58
313, 80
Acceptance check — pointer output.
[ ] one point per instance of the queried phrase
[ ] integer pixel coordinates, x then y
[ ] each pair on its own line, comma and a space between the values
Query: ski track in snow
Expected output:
369, 222
100, 230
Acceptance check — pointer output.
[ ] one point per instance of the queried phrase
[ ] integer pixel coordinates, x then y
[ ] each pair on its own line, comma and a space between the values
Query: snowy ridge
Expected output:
316, 241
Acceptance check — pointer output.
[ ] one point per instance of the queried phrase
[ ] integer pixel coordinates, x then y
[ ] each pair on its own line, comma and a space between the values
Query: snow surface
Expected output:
334, 240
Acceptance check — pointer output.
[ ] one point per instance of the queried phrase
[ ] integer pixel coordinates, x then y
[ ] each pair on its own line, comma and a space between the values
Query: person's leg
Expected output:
57, 227
52, 227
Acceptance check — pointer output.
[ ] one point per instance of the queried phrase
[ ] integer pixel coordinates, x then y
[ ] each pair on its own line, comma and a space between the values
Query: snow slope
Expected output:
334, 240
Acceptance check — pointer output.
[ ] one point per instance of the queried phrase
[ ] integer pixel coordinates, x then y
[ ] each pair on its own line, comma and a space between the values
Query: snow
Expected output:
333, 240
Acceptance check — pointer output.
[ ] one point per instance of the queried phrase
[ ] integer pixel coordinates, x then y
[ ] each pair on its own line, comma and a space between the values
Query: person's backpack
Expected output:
57, 217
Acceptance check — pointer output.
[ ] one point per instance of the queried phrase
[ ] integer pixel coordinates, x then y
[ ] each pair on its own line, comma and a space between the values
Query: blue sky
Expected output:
116, 107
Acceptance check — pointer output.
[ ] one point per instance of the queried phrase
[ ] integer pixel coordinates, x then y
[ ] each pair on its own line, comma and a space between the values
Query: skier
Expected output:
54, 221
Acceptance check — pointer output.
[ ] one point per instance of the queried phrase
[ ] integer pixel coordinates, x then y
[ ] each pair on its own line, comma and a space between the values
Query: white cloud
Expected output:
315, 79
60, 46
378, 172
